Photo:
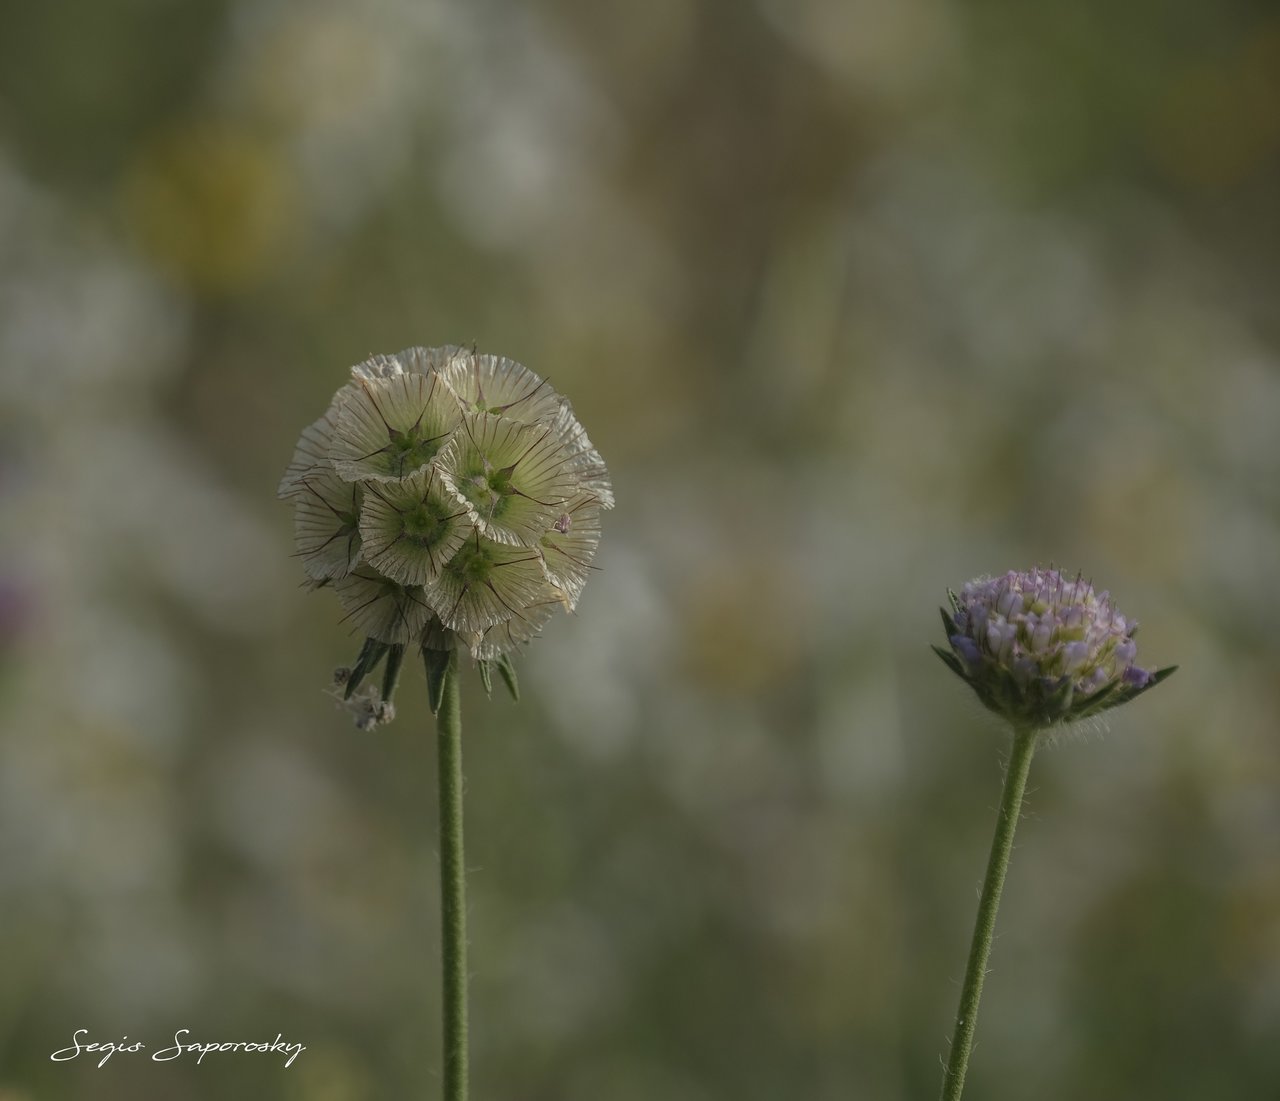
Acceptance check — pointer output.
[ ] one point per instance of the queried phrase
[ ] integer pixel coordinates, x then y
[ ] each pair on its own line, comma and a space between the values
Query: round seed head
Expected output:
501, 387
447, 497
569, 545
381, 609
582, 459
511, 634
410, 361
487, 583
310, 454
411, 528
389, 428
326, 519
512, 478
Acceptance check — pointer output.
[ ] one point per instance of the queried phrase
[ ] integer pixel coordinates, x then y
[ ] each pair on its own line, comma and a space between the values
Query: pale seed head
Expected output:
448, 498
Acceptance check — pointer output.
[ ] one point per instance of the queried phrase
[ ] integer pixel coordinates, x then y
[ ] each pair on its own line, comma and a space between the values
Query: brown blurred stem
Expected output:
1015, 783
453, 887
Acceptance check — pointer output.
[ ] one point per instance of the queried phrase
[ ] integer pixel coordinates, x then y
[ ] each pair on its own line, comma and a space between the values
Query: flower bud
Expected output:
1040, 648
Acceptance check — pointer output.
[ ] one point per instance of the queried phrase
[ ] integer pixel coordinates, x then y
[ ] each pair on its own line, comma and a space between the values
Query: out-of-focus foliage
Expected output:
859, 301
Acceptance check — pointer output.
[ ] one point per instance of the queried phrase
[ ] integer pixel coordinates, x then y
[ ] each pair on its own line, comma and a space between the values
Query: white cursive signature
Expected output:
108, 1048
178, 1048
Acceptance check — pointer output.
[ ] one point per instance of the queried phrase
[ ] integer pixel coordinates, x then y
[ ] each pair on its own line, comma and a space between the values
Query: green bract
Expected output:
449, 498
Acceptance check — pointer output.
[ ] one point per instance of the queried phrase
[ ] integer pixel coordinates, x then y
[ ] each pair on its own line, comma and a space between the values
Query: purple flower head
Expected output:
1039, 647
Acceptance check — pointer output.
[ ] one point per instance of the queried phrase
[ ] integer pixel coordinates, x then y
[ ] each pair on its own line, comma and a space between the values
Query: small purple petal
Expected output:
1135, 677
968, 651
1009, 604
1075, 655
1025, 670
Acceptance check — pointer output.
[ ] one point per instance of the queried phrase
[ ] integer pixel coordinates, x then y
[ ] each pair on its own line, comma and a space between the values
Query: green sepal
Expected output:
1099, 701
1156, 678
1057, 702
436, 663
955, 601
1006, 697
391, 676
370, 654
948, 623
508, 673
486, 676
952, 662
1116, 694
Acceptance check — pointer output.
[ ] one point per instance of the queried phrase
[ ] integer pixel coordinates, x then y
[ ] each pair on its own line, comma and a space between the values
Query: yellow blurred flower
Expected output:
212, 204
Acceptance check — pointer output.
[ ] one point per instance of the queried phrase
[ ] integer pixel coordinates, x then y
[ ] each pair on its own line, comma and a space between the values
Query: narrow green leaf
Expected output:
486, 676
1058, 699
370, 654
1156, 678
508, 673
436, 663
1099, 701
391, 676
952, 662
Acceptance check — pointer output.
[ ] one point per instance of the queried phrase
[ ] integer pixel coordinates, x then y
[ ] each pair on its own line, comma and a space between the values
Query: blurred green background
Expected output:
859, 301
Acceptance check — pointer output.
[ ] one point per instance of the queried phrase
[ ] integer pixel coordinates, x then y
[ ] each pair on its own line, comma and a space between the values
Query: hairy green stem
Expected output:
453, 887
1015, 783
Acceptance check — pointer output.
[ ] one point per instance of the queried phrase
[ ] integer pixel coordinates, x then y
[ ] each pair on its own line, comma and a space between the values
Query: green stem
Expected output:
453, 887
1015, 783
